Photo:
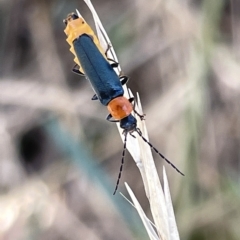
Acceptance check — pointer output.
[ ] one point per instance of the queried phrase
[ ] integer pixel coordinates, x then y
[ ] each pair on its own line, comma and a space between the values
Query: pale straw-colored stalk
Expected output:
160, 202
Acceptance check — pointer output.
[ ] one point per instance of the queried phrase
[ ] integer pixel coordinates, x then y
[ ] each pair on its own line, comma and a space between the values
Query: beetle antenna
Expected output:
122, 162
152, 147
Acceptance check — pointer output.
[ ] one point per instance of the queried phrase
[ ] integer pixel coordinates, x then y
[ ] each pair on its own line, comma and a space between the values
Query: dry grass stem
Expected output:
142, 155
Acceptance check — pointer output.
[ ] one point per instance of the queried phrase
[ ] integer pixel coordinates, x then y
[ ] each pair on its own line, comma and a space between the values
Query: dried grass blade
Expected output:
173, 231
146, 222
140, 152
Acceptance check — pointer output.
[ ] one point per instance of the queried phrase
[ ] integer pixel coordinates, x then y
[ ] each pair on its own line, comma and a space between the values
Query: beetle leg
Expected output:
108, 48
131, 100
124, 79
114, 64
95, 97
75, 69
132, 135
109, 118
142, 117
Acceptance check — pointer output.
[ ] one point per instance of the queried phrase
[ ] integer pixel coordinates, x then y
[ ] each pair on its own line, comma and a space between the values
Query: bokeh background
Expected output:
59, 158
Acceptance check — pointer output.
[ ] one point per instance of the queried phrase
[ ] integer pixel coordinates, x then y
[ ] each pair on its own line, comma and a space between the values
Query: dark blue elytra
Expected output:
101, 75
99, 72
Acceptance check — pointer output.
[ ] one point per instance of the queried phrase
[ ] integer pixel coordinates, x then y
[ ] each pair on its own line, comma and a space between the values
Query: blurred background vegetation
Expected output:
59, 158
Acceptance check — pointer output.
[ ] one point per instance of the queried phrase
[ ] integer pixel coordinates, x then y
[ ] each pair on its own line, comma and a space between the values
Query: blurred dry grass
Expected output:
183, 58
